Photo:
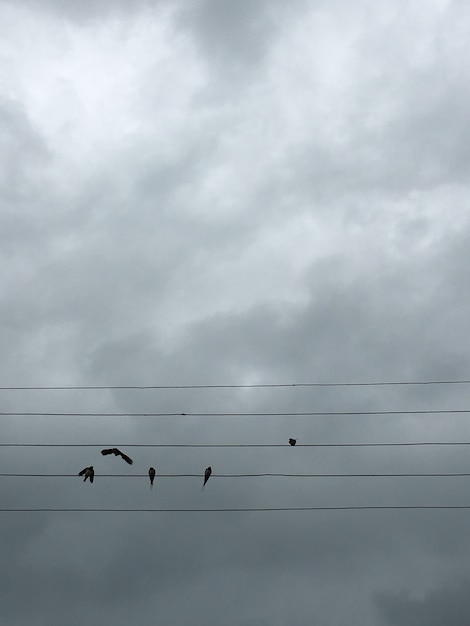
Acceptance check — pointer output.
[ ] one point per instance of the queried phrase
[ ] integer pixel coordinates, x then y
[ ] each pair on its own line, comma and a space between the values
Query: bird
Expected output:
207, 474
292, 441
89, 472
117, 452
151, 476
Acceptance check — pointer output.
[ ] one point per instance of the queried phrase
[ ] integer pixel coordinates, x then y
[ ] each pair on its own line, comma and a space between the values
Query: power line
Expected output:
245, 510
233, 414
257, 475
238, 445
240, 386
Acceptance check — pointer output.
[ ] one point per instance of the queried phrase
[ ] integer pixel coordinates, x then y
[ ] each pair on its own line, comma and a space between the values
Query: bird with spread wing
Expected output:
88, 472
117, 452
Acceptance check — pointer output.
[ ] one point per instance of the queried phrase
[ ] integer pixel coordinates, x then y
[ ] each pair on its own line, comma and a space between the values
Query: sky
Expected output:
237, 193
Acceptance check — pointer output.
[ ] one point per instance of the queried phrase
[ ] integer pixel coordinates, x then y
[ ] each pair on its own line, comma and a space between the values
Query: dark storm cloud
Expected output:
22, 152
231, 33
448, 605
372, 317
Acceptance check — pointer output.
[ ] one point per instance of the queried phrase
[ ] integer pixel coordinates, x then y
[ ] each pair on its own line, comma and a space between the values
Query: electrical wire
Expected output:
245, 510
238, 445
256, 475
239, 386
233, 414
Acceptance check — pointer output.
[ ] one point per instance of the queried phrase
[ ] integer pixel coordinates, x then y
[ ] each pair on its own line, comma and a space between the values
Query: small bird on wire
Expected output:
89, 472
117, 452
207, 474
292, 441
151, 476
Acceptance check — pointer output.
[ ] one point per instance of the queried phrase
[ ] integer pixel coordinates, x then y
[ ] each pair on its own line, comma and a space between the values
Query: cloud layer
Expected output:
233, 193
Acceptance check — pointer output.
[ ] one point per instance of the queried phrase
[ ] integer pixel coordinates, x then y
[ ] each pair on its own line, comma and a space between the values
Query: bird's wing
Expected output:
83, 471
126, 458
107, 451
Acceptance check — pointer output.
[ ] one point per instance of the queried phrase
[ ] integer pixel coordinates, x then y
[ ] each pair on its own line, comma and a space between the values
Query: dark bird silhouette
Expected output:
117, 452
207, 474
292, 441
151, 476
89, 472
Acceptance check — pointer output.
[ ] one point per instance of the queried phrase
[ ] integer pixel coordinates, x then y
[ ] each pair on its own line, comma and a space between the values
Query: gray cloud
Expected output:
233, 194
449, 605
232, 33
87, 12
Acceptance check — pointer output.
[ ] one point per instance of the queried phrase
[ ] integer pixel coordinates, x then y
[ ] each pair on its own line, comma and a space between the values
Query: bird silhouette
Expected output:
207, 474
151, 476
117, 452
292, 441
89, 472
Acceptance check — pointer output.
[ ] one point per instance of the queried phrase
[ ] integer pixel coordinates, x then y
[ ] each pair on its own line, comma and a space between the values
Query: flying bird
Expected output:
151, 476
117, 452
292, 441
89, 472
207, 474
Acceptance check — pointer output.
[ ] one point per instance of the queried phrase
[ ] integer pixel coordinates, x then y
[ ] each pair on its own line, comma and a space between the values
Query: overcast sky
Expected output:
234, 192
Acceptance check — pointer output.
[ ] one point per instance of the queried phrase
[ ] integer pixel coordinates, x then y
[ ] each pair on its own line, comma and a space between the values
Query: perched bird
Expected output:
151, 476
117, 452
89, 472
292, 441
207, 474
